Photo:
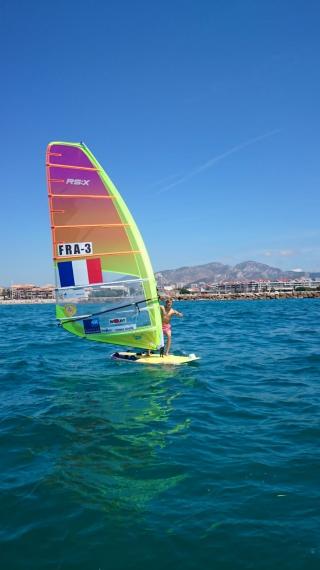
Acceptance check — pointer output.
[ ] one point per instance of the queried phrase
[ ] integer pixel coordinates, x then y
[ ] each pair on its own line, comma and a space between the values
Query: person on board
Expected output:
148, 350
167, 312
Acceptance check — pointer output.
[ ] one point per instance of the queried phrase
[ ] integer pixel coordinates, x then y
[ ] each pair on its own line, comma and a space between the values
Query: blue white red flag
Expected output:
80, 272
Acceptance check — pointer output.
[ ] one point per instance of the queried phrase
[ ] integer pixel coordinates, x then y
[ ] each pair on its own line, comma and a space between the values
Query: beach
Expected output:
27, 301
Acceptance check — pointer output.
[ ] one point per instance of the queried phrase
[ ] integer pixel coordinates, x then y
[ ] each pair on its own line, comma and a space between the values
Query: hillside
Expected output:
219, 272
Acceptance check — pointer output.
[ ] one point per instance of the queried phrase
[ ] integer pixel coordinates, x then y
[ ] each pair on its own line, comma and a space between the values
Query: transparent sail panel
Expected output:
118, 307
118, 313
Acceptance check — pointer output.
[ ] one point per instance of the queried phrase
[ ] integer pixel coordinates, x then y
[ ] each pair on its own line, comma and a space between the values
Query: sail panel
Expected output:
68, 154
84, 210
76, 181
104, 239
106, 289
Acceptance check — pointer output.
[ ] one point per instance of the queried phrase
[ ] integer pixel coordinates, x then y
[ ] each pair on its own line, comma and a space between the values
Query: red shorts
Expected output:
166, 327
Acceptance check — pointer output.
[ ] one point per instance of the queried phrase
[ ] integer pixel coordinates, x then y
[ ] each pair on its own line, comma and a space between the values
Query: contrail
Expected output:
217, 159
164, 180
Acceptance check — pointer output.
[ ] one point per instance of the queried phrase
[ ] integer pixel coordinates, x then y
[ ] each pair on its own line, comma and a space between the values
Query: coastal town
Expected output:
306, 287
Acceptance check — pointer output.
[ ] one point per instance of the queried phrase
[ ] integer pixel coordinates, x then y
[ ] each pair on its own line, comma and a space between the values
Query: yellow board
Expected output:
137, 358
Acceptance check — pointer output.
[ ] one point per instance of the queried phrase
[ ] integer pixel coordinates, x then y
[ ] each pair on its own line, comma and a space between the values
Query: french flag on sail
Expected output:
80, 272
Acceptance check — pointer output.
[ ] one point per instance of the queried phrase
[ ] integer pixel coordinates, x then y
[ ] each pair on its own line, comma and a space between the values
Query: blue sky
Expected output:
205, 114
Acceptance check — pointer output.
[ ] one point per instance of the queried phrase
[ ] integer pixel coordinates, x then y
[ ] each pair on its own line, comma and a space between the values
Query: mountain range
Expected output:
216, 272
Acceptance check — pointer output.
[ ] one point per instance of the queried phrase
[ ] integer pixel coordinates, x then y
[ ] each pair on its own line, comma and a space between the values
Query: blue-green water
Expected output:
110, 465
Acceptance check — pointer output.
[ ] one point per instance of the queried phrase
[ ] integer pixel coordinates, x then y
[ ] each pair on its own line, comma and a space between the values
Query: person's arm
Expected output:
178, 314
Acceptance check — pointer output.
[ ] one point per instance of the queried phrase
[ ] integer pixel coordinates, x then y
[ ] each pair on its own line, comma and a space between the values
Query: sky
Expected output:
204, 113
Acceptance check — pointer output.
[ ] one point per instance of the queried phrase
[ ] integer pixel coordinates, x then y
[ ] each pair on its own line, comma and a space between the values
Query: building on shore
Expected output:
31, 292
240, 287
27, 292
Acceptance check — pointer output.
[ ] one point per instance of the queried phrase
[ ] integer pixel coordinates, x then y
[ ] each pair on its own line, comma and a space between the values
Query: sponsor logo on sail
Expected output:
78, 182
117, 321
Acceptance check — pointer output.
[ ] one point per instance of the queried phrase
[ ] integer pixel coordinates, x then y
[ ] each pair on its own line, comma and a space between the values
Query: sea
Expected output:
212, 465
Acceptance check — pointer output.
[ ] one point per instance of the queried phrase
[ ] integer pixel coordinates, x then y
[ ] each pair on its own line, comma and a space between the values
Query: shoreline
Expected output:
26, 301
197, 297
248, 296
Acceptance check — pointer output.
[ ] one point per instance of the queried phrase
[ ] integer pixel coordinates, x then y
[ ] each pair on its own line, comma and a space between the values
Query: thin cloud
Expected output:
217, 159
164, 180
287, 252
280, 253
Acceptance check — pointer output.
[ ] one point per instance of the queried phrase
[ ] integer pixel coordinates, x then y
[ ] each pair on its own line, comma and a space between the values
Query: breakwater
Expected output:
247, 296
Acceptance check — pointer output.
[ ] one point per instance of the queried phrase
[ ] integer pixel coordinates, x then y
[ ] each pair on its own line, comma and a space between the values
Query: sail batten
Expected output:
80, 195
74, 167
99, 256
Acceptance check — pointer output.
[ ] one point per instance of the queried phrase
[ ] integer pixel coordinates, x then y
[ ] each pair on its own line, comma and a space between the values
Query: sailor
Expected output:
167, 312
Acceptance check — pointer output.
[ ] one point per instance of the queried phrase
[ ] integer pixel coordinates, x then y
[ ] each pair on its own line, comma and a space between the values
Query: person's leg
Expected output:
168, 333
165, 340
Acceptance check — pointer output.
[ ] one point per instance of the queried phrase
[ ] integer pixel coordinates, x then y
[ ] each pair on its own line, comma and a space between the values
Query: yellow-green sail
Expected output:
105, 286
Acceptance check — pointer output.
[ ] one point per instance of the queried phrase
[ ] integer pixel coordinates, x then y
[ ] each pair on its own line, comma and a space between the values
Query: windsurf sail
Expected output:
105, 286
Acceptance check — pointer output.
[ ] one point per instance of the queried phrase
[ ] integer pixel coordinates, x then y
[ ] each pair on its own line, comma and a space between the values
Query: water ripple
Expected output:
114, 466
